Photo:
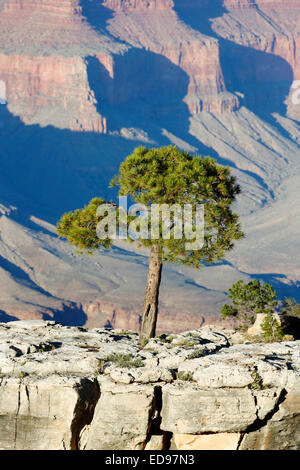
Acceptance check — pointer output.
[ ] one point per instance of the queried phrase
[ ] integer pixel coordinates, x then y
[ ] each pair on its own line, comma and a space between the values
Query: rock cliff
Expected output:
212, 44
73, 388
272, 27
87, 81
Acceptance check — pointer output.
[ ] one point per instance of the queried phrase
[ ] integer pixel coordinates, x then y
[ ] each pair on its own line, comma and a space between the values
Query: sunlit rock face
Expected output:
211, 70
73, 28
272, 27
79, 389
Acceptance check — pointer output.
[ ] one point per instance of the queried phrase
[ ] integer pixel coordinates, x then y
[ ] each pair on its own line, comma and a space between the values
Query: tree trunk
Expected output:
150, 308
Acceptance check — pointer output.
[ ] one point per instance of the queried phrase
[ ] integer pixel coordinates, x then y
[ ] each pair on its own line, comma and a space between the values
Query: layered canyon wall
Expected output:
50, 88
205, 75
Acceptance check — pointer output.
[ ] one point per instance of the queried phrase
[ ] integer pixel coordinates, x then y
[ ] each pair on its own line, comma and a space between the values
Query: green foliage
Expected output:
125, 333
196, 354
257, 383
271, 329
144, 342
248, 299
288, 338
45, 347
291, 308
170, 338
79, 227
186, 342
125, 360
168, 176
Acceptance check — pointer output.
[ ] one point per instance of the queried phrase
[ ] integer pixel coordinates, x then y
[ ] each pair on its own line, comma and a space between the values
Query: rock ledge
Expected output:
72, 388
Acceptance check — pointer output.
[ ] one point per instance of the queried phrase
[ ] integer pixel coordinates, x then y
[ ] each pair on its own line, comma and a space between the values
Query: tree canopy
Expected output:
249, 299
177, 184
169, 176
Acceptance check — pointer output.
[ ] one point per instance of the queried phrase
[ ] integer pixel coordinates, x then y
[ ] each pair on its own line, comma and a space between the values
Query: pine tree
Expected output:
249, 299
161, 176
271, 328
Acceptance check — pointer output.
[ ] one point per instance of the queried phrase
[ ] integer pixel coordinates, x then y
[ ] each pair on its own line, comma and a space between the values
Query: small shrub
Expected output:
185, 376
253, 339
164, 338
187, 342
248, 300
170, 338
271, 329
22, 374
45, 347
197, 353
125, 360
144, 342
125, 333
288, 338
257, 383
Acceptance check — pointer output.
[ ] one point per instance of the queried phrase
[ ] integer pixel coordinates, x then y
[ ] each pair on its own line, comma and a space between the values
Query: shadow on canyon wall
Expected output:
49, 171
96, 14
263, 78
70, 314
146, 92
4, 318
145, 86
21, 276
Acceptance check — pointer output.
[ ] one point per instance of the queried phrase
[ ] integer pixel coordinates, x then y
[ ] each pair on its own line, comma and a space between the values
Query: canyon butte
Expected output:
86, 82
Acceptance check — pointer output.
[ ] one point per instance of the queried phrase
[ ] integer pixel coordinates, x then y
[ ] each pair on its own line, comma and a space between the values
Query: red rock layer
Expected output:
156, 28
36, 83
52, 83
273, 27
141, 5
63, 8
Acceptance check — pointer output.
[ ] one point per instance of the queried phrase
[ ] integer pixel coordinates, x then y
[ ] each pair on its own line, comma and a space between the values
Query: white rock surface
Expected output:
73, 388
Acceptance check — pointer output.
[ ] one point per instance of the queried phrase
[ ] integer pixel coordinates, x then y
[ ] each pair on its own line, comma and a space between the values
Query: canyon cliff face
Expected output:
45, 93
156, 29
155, 26
51, 91
86, 82
78, 389
272, 27
44, 46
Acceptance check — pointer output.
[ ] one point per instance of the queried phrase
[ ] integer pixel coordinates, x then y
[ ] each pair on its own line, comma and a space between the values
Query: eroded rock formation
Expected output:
72, 388
271, 27
210, 76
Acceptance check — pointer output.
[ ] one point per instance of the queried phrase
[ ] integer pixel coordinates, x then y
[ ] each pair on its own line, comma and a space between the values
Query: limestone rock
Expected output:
156, 442
67, 70
73, 388
190, 409
121, 417
282, 431
44, 414
219, 441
